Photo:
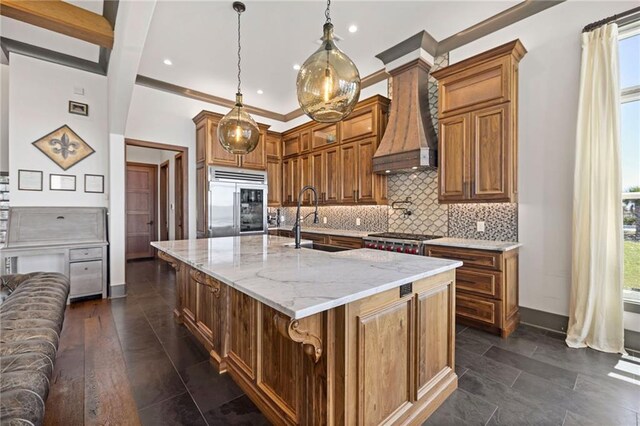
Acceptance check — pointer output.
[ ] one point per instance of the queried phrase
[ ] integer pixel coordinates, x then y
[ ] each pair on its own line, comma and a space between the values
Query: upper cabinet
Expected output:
209, 150
478, 112
337, 158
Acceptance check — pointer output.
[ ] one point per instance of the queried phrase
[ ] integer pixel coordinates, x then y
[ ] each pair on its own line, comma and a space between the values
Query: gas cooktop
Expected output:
401, 236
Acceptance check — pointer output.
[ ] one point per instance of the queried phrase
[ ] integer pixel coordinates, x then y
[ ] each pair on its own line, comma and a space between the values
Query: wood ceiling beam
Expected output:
61, 17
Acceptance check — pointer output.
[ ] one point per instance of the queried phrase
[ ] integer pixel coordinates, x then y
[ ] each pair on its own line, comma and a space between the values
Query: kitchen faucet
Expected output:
297, 226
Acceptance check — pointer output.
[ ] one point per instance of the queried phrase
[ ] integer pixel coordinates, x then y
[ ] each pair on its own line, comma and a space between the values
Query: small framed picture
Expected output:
94, 183
78, 108
62, 182
29, 180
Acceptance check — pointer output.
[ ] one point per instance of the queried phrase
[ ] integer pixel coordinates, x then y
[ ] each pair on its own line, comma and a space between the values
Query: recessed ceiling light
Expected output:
296, 67
167, 62
260, 92
353, 28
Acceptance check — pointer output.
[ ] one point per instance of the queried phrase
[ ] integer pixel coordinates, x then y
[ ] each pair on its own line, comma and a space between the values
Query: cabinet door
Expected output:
316, 174
454, 158
274, 143
324, 135
85, 278
274, 181
305, 141
296, 178
349, 168
359, 124
291, 145
305, 177
490, 165
287, 182
366, 183
256, 159
201, 200
331, 183
217, 155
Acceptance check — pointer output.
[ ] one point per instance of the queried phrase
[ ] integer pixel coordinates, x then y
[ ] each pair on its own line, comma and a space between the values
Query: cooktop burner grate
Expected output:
401, 236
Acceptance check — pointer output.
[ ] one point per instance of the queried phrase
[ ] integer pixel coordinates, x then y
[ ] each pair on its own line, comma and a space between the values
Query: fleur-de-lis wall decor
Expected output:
64, 147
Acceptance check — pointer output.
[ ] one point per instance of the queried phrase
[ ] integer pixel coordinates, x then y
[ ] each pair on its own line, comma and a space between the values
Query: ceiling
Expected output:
30, 34
200, 40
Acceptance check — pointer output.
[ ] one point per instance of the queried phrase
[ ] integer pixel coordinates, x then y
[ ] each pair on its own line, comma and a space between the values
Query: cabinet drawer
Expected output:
287, 234
479, 309
347, 242
473, 258
316, 238
291, 145
483, 283
359, 124
85, 277
85, 254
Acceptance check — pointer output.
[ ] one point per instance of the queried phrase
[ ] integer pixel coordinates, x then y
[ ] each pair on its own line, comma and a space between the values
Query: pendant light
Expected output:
238, 133
328, 83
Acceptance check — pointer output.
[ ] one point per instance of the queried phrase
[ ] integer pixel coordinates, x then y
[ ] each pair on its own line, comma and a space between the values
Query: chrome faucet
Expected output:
298, 225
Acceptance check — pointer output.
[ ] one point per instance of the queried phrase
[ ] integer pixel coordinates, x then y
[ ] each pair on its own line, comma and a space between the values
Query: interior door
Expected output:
179, 196
141, 209
164, 201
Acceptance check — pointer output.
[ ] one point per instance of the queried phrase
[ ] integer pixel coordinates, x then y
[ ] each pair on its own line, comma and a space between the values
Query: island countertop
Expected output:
303, 282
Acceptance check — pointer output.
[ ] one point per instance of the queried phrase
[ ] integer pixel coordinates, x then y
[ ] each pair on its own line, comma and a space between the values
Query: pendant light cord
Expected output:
327, 12
239, 49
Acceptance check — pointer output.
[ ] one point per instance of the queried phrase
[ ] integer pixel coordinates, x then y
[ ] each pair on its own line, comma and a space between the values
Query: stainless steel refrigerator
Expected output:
237, 202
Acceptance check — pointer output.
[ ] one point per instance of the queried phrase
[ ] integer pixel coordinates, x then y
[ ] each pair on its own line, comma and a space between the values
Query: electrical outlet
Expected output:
480, 226
324, 219
78, 91
281, 219
357, 221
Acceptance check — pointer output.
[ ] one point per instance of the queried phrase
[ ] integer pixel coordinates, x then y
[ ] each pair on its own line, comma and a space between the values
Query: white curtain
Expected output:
596, 311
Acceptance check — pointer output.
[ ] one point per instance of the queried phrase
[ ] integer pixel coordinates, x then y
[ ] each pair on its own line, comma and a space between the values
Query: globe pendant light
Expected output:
328, 83
238, 133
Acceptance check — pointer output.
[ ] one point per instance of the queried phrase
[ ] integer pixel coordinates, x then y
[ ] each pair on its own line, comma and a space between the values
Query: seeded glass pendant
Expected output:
238, 133
328, 83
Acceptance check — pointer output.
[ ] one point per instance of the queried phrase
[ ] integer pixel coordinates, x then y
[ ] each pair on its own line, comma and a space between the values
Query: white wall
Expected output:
137, 154
549, 79
39, 93
4, 118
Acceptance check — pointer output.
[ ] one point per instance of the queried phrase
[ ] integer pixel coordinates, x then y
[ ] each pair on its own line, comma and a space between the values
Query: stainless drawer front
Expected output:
86, 278
83, 254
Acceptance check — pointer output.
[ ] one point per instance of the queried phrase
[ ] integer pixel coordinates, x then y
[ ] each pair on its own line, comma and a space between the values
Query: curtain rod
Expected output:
594, 25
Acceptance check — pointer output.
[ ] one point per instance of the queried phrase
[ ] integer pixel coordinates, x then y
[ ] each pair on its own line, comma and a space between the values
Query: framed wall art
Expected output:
64, 147
94, 183
62, 182
29, 180
78, 108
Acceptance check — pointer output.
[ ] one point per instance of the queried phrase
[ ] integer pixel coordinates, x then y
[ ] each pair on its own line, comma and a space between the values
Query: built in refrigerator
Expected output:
237, 202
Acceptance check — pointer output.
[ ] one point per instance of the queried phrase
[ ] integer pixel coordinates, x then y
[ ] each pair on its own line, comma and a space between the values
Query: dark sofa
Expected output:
31, 317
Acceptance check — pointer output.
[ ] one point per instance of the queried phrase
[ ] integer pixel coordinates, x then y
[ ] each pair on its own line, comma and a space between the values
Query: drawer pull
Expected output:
60, 217
86, 269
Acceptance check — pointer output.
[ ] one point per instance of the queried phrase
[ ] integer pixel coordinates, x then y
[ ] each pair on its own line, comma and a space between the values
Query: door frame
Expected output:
183, 194
154, 204
163, 171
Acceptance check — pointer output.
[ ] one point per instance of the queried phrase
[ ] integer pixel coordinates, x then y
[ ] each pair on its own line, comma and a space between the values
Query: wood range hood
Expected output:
410, 141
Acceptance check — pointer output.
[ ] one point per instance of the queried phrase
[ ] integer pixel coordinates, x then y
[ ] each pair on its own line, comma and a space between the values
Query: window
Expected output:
629, 51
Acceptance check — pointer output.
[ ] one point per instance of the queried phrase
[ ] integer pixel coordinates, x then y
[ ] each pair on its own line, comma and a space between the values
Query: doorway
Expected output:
164, 201
141, 204
166, 195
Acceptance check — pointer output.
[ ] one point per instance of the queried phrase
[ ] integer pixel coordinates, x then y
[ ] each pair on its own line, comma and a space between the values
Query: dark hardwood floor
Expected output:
128, 359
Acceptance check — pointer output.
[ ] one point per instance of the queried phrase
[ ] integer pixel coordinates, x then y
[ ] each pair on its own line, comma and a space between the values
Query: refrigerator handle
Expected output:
236, 212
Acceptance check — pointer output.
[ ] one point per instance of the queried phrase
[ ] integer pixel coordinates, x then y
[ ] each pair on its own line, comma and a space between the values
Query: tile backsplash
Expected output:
427, 216
372, 218
501, 221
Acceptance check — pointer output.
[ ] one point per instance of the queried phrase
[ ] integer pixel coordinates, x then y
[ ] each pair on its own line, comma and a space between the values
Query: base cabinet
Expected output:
486, 288
337, 366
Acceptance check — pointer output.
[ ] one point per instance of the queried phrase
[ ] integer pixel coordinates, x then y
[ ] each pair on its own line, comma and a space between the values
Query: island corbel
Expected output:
301, 331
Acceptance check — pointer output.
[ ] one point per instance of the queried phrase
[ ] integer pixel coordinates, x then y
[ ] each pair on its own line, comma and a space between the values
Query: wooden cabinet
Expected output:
274, 144
337, 159
486, 287
274, 181
478, 111
201, 200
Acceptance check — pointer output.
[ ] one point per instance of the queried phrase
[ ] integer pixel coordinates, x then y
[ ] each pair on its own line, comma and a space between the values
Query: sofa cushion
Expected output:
20, 406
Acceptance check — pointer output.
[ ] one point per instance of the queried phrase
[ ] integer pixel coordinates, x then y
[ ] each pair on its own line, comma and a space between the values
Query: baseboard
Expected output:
558, 323
118, 290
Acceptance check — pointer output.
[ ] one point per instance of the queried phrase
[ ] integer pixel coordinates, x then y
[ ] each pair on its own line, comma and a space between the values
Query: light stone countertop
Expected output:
303, 282
328, 231
474, 244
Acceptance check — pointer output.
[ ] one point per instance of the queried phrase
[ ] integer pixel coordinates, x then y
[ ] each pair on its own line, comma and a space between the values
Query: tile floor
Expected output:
529, 378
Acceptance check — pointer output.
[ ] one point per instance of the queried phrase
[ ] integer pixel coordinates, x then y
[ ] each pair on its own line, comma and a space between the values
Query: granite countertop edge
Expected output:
489, 245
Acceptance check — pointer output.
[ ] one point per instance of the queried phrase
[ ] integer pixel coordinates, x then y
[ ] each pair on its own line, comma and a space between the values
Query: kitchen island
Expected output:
356, 337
